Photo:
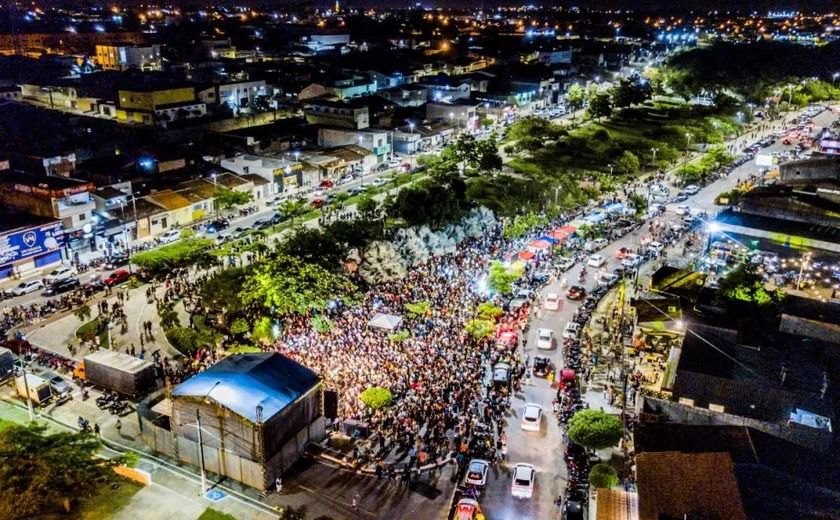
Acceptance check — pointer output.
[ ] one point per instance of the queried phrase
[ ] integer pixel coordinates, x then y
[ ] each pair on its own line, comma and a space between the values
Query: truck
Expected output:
7, 363
39, 391
118, 372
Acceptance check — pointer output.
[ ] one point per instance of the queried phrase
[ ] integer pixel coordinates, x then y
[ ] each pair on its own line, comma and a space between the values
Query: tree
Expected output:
418, 309
367, 206
489, 159
575, 98
187, 251
43, 473
83, 312
600, 105
314, 246
284, 285
595, 429
222, 290
293, 208
226, 198
263, 331
399, 336
480, 328
603, 476
376, 397
501, 278
489, 311
432, 202
745, 284
630, 91
627, 163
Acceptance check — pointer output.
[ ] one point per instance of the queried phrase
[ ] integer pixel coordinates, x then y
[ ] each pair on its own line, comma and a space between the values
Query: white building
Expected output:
377, 141
124, 57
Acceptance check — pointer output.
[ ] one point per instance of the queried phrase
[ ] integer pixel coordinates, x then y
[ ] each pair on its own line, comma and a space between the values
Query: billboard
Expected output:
31, 242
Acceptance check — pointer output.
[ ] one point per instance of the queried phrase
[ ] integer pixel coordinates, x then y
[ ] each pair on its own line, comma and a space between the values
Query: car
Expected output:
280, 199
517, 303
532, 417
564, 264
170, 236
524, 294
57, 384
27, 287
622, 252
262, 223
600, 243
62, 286
692, 189
656, 247
318, 203
540, 276
631, 261
524, 477
596, 261
60, 273
683, 210
545, 339
477, 472
571, 330
501, 375
238, 232
116, 260
117, 277
357, 190
276, 218
573, 508
344, 179
608, 279
541, 366
552, 302
679, 197
379, 182
468, 509
576, 292
216, 225
326, 184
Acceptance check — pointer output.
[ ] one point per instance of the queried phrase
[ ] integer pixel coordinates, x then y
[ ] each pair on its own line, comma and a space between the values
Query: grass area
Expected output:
212, 514
244, 349
107, 501
88, 331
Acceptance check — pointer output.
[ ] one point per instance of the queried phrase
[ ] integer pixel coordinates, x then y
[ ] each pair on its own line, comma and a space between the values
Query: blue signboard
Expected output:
31, 242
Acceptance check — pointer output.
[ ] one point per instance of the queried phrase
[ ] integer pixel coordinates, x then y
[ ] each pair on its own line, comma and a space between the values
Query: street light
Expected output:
215, 190
411, 145
834, 78
653, 151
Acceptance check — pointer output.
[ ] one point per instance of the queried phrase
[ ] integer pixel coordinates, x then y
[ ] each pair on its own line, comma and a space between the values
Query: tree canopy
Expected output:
314, 246
184, 252
40, 471
226, 198
595, 429
501, 277
603, 476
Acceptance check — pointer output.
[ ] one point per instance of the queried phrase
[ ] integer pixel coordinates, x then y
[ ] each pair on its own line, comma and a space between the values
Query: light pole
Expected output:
611, 168
805, 261
29, 407
109, 327
653, 151
411, 146
215, 193
556, 192
201, 441
687, 146
834, 78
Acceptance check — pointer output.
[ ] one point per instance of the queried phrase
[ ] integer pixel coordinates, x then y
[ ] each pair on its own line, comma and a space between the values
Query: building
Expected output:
153, 103
237, 95
257, 413
443, 88
337, 113
28, 243
283, 173
377, 141
406, 95
342, 88
177, 212
127, 56
462, 115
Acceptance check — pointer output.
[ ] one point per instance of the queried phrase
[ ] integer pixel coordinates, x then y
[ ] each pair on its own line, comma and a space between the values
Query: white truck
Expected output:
39, 391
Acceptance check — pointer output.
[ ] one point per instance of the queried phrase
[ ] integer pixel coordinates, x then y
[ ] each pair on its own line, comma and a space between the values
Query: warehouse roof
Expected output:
243, 382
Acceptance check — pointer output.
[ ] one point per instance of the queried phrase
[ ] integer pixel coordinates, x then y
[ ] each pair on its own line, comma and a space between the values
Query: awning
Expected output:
549, 239
385, 321
526, 255
539, 245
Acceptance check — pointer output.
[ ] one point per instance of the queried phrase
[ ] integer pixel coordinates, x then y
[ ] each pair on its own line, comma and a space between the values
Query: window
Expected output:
82, 217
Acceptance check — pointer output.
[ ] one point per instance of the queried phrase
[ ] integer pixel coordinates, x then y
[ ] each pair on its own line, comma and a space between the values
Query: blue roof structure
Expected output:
243, 382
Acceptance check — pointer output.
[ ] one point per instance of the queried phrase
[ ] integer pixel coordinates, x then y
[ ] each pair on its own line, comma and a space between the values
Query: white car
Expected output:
630, 261
692, 189
27, 287
477, 472
524, 476
564, 264
600, 243
683, 210
552, 302
607, 279
656, 247
379, 182
61, 273
545, 339
572, 330
532, 417
170, 236
596, 261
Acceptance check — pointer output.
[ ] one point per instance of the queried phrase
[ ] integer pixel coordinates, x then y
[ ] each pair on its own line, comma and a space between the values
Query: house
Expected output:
406, 95
128, 56
29, 242
377, 141
158, 102
461, 114
177, 212
284, 173
443, 88
422, 138
337, 113
341, 88
257, 412
237, 95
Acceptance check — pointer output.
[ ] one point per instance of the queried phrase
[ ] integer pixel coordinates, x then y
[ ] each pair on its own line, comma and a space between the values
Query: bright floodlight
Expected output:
713, 227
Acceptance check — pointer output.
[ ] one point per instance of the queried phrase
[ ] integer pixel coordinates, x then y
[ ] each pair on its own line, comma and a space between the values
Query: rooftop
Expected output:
241, 383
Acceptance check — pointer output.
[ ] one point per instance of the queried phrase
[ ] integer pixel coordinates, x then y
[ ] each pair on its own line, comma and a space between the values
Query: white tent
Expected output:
385, 321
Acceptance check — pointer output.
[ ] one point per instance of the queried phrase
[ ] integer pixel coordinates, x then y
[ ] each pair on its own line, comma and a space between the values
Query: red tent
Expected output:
539, 245
526, 255
562, 233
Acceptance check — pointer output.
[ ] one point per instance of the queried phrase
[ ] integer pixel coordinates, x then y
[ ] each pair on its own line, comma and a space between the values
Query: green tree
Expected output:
575, 98
284, 285
500, 278
263, 331
418, 309
399, 336
627, 163
603, 476
322, 324
595, 429
480, 328
185, 252
745, 284
489, 159
600, 105
532, 126
314, 246
239, 327
221, 292
489, 311
630, 91
376, 397
226, 198
83, 312
43, 473
293, 208
367, 206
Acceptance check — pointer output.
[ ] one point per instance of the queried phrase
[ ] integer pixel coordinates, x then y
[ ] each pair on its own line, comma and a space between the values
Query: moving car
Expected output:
117, 260
683, 210
326, 184
564, 264
60, 273
542, 366
571, 330
117, 277
58, 385
467, 509
692, 189
596, 261
552, 302
545, 339
477, 472
524, 477
379, 182
318, 203
170, 236
622, 252
608, 279
532, 417
576, 292
631, 261
656, 247
62, 286
27, 287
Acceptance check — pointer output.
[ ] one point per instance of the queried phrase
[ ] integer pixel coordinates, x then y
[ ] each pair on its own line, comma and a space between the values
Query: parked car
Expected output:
692, 189
262, 223
552, 302
117, 277
217, 225
656, 247
631, 261
600, 243
596, 261
542, 366
63, 286
60, 273
564, 264
318, 203
532, 417
622, 252
683, 210
117, 260
27, 287
170, 236
467, 509
379, 182
477, 472
576, 292
326, 184
545, 339
571, 330
57, 384
524, 476
608, 279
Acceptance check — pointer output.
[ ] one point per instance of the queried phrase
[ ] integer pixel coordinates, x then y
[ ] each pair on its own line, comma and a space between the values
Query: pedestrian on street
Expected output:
96, 429
278, 485
118, 426
356, 499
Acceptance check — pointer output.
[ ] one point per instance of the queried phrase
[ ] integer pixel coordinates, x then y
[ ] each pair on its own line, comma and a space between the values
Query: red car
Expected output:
576, 292
117, 277
622, 252
326, 183
318, 203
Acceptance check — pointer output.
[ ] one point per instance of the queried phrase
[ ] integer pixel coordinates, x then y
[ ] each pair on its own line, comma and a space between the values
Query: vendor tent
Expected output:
562, 233
385, 321
548, 238
535, 246
526, 255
